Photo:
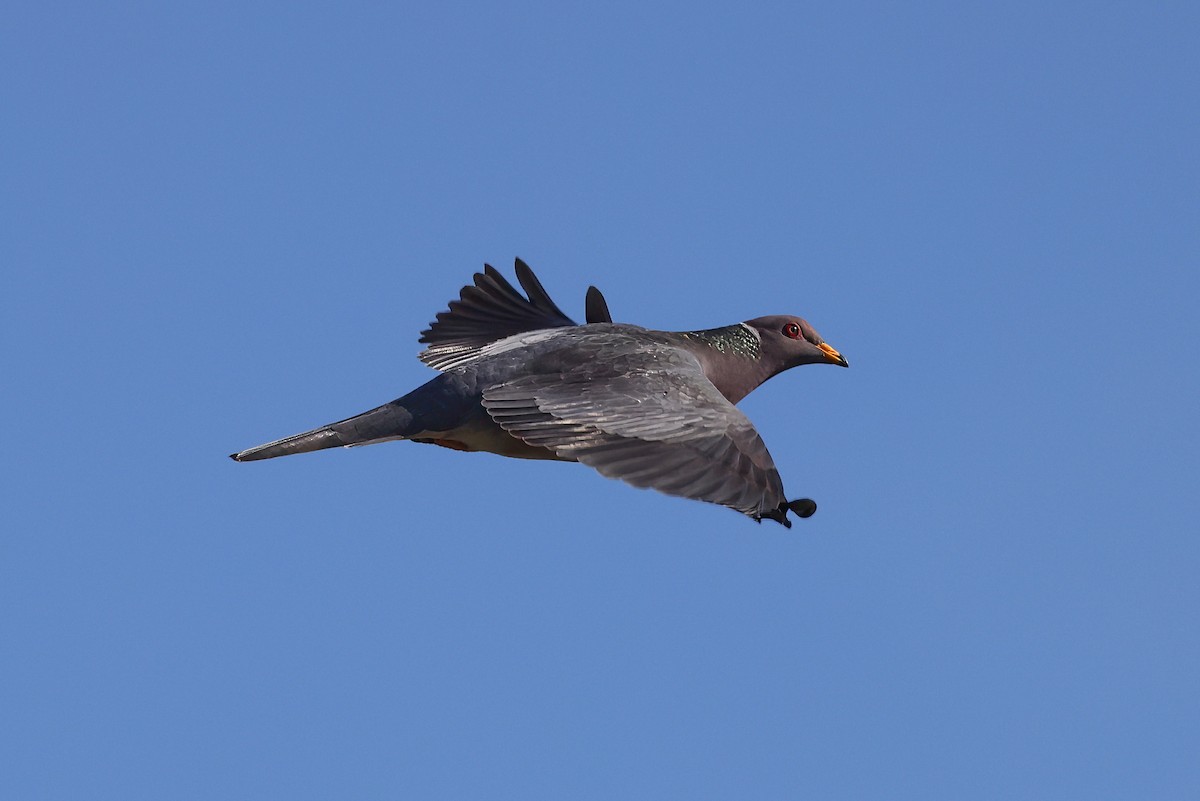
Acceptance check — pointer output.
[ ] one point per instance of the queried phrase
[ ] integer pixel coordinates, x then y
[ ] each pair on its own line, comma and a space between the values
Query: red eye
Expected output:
791, 330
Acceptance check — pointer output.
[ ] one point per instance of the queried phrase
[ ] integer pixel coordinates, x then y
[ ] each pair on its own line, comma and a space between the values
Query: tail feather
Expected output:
390, 421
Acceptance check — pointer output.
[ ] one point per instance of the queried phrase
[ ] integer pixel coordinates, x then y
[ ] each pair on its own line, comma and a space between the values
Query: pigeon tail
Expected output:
387, 422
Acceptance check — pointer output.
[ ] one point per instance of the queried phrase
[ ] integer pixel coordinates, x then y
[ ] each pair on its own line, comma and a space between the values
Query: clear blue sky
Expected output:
227, 222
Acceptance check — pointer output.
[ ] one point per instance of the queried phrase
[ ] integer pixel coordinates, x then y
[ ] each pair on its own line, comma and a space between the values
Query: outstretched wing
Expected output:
488, 311
651, 419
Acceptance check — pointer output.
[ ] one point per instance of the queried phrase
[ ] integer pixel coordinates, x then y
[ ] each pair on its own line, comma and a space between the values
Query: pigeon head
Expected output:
789, 342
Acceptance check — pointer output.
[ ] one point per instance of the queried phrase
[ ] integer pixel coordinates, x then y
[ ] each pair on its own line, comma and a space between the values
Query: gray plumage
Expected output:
652, 408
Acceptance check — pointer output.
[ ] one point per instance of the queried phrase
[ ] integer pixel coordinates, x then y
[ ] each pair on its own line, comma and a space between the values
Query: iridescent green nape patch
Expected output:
736, 340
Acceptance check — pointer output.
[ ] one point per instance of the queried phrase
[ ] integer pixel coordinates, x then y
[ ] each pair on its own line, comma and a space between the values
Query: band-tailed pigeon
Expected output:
652, 408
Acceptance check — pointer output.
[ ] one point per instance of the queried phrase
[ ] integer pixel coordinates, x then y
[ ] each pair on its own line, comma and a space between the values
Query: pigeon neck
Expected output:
731, 357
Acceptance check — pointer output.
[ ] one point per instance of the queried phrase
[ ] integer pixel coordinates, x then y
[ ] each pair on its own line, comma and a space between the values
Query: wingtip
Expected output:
779, 515
487, 310
596, 307
538, 296
803, 507
524, 273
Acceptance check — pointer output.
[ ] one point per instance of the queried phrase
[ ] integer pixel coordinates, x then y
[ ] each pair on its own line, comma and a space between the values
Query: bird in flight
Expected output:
517, 377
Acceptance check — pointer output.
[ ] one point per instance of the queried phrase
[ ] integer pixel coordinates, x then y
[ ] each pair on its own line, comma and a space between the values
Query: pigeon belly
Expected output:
480, 433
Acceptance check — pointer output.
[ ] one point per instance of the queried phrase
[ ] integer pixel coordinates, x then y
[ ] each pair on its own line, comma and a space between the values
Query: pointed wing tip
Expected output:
538, 296
528, 280
524, 273
596, 307
803, 507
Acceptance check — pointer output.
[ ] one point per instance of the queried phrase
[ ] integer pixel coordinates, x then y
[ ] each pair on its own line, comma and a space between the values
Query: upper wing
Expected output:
488, 311
651, 419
